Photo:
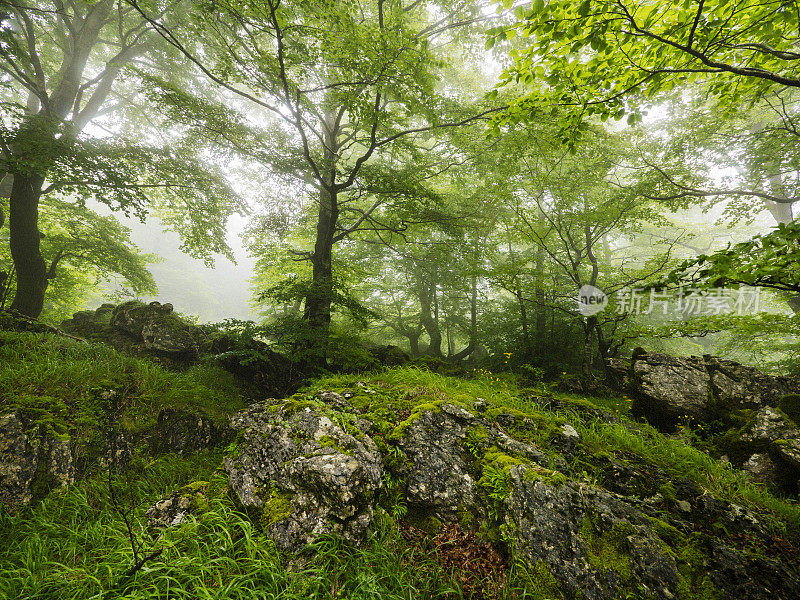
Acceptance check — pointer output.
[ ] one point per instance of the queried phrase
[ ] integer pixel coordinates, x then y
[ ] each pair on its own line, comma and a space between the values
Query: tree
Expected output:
88, 251
350, 84
770, 261
61, 64
612, 57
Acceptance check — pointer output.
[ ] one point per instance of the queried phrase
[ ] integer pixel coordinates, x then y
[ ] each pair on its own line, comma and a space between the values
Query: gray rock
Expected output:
440, 469
33, 461
667, 388
175, 510
738, 386
304, 475
156, 329
769, 425
761, 467
438, 473
570, 530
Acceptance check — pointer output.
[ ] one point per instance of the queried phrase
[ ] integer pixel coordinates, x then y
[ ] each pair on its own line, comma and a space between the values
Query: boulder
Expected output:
157, 329
761, 468
767, 426
738, 386
668, 388
303, 475
440, 448
137, 328
33, 460
183, 431
592, 542
175, 509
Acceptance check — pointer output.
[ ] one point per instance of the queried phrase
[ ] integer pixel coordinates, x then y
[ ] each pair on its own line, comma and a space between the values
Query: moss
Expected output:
297, 403
196, 491
402, 428
668, 534
277, 508
790, 405
327, 441
694, 583
424, 520
502, 460
668, 492
540, 582
608, 550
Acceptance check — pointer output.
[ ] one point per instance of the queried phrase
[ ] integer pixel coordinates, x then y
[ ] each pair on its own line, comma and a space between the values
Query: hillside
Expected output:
399, 483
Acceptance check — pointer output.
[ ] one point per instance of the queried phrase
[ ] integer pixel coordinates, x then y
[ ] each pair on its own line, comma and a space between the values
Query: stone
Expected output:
588, 540
761, 467
738, 386
769, 425
156, 329
303, 475
668, 388
439, 466
183, 431
33, 461
175, 509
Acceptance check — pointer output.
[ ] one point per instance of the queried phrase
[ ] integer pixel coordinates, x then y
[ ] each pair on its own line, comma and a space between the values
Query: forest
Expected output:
400, 299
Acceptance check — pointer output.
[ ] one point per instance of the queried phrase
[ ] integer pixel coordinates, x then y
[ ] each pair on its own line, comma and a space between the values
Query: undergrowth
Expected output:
74, 546
35, 369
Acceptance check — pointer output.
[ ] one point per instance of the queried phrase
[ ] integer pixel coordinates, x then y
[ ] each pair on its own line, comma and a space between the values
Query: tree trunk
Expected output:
320, 295
539, 294
427, 317
526, 334
413, 341
473, 321
24, 242
587, 377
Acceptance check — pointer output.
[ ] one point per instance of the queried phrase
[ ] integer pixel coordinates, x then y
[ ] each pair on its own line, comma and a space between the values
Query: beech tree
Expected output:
60, 66
612, 57
347, 86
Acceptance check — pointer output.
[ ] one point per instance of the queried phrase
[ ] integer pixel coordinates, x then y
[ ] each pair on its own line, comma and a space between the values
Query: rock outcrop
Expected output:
744, 405
303, 475
141, 329
667, 388
307, 467
34, 460
175, 509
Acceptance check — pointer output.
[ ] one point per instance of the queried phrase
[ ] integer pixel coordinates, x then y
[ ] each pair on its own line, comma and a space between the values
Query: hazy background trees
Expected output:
392, 194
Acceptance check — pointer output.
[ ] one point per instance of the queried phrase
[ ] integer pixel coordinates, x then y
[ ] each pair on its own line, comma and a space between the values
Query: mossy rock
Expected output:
790, 405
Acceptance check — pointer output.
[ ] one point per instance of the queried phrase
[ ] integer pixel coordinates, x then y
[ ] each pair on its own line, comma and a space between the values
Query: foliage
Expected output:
595, 54
84, 250
769, 261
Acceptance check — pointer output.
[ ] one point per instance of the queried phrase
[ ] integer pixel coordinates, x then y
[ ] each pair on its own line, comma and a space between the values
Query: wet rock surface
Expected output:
303, 475
176, 509
638, 530
140, 329
33, 460
668, 388
738, 409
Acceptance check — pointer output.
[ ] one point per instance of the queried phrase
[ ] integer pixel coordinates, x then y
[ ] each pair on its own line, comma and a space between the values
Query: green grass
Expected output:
401, 386
60, 376
75, 546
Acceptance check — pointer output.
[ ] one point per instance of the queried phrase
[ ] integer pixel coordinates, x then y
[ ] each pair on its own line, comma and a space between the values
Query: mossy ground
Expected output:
57, 382
74, 544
